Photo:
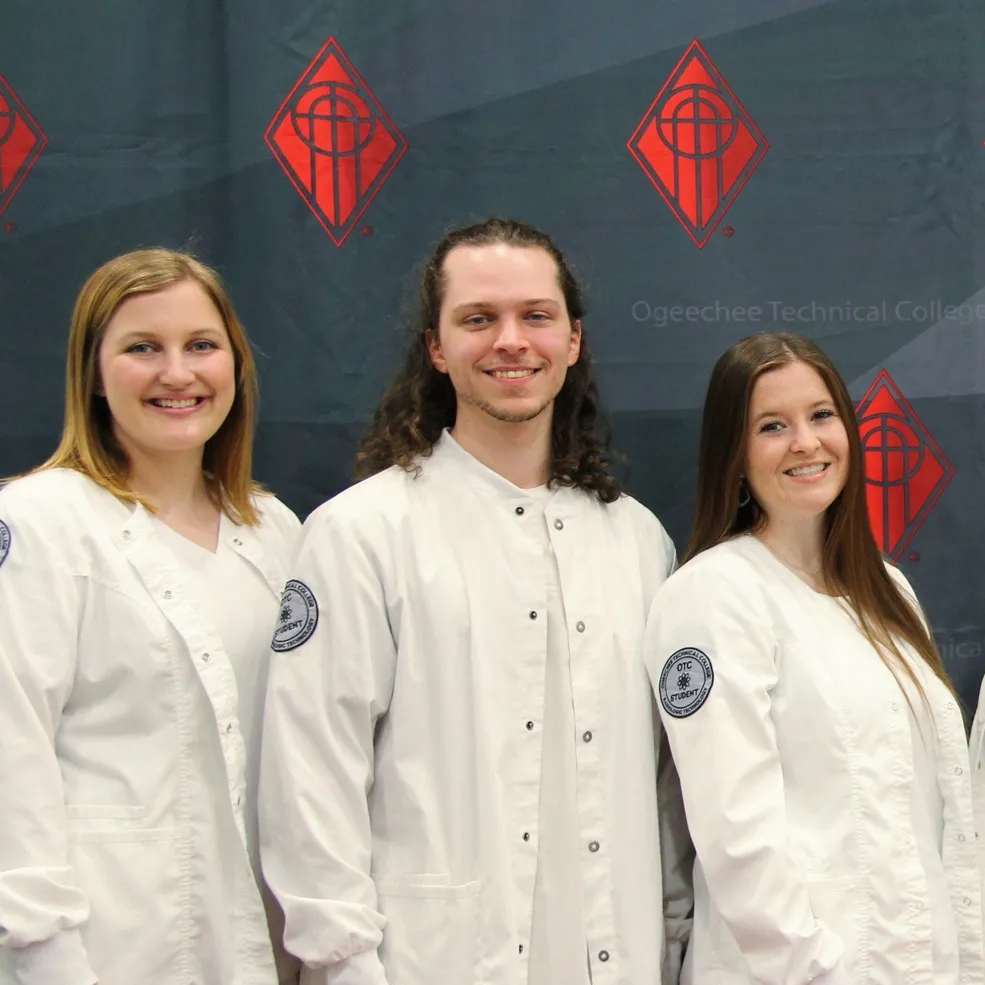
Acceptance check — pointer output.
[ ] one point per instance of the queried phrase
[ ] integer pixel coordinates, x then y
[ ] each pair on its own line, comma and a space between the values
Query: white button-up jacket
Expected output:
795, 752
402, 748
122, 853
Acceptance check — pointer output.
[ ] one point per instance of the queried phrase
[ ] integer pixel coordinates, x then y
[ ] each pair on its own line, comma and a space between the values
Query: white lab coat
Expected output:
122, 848
796, 760
976, 746
402, 745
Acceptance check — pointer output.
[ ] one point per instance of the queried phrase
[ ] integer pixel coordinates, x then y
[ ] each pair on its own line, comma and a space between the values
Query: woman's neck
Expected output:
800, 546
173, 485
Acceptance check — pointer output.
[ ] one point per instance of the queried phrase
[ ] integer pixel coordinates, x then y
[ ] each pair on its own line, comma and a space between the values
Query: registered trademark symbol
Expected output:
10, 227
914, 556
728, 232
367, 230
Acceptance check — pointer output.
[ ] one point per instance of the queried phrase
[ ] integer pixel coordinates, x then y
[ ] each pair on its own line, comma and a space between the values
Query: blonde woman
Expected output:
140, 572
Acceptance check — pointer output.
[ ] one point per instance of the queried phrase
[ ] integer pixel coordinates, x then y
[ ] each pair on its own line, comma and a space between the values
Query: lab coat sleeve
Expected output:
659, 561
41, 907
324, 699
677, 863
726, 754
283, 519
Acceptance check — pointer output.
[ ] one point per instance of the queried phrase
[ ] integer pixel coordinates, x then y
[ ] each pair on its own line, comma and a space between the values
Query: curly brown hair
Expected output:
420, 401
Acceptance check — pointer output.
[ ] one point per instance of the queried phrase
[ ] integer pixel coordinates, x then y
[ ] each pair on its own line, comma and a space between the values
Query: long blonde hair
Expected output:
88, 444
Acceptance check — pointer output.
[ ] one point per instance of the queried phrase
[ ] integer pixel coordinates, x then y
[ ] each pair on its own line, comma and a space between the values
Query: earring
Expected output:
744, 497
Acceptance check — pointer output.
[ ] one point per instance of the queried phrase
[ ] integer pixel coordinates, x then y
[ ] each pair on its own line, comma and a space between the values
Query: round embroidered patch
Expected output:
4, 541
298, 617
685, 682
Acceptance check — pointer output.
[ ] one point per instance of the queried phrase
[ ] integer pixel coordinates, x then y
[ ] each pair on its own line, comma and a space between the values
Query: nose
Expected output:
176, 371
804, 438
511, 336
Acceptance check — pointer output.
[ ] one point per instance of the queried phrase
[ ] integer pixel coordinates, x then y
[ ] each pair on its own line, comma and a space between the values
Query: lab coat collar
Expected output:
136, 530
449, 455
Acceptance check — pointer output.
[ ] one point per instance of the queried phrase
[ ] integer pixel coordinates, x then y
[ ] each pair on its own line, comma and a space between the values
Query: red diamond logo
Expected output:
905, 470
334, 141
21, 143
697, 144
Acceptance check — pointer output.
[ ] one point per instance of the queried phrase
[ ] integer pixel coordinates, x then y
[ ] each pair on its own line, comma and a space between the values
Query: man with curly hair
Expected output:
460, 765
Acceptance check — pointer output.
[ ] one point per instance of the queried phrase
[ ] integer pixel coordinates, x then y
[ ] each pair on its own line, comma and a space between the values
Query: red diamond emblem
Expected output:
334, 141
21, 143
697, 144
905, 470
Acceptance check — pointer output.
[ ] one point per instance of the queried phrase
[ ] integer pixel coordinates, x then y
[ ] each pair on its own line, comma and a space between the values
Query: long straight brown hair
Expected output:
852, 564
88, 444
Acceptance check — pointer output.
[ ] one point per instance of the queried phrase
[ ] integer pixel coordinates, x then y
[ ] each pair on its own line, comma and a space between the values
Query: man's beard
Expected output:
507, 417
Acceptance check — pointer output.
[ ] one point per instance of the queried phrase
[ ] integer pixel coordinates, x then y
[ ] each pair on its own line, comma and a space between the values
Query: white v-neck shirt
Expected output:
244, 613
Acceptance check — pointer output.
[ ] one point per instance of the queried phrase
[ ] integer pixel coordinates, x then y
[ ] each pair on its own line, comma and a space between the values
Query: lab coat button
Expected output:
126, 534
530, 726
559, 524
237, 542
961, 838
580, 626
533, 614
895, 706
967, 901
603, 955
958, 771
526, 836
206, 657
521, 949
593, 846
587, 737
168, 594
519, 512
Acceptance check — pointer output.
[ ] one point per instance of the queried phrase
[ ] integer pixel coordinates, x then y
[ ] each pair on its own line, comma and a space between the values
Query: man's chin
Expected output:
516, 415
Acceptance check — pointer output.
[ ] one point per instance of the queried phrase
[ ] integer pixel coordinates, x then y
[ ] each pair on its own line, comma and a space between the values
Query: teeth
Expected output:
512, 374
177, 404
807, 470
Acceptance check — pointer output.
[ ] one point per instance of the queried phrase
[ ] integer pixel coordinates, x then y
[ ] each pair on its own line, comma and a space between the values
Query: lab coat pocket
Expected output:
835, 904
104, 821
432, 930
130, 875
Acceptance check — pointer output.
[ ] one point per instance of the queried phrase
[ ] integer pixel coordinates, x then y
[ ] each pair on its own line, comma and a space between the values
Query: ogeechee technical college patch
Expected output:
298, 617
685, 682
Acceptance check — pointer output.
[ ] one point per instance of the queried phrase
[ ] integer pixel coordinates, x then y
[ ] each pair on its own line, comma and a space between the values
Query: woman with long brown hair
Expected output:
140, 573
820, 747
